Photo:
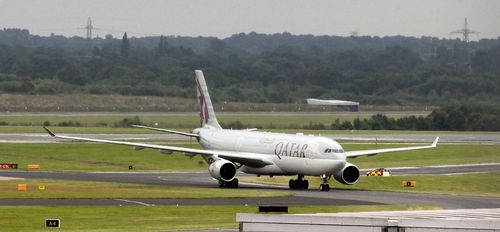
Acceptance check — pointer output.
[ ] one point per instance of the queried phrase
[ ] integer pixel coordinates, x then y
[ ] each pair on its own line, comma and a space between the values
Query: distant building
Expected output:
348, 105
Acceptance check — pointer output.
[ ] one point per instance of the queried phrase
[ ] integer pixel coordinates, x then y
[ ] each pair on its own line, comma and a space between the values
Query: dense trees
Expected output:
452, 117
125, 46
254, 67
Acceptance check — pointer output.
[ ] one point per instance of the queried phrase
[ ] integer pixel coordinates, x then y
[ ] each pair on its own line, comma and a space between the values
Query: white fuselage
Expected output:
290, 154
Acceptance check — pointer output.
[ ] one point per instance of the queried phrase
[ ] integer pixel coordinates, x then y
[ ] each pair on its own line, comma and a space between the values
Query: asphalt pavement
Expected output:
303, 197
454, 138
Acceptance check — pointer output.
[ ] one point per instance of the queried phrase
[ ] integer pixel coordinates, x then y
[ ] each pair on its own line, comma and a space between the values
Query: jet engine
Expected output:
348, 175
222, 170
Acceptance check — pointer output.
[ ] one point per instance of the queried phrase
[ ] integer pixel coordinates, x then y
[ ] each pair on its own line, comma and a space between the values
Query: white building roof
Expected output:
425, 220
313, 101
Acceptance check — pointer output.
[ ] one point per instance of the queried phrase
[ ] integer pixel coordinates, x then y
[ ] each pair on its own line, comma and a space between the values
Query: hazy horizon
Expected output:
223, 18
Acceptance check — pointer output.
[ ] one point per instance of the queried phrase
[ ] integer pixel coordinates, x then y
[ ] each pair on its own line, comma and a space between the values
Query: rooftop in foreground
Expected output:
428, 220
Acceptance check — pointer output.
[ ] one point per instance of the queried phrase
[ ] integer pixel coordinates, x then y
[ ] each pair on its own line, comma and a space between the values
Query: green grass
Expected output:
192, 120
484, 184
75, 156
149, 218
88, 189
96, 157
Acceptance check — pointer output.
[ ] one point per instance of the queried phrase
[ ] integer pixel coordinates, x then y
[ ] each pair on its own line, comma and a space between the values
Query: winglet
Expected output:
48, 131
434, 144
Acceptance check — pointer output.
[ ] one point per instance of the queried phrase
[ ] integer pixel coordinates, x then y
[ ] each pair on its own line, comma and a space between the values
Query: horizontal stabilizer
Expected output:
48, 131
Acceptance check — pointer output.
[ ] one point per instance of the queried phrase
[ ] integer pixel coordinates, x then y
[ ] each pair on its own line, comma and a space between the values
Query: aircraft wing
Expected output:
352, 154
168, 131
250, 159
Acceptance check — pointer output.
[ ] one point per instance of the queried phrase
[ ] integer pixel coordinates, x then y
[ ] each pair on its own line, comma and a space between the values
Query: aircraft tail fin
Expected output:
207, 114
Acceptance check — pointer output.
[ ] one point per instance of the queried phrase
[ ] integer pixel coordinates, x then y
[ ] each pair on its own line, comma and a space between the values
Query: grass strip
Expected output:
150, 218
89, 189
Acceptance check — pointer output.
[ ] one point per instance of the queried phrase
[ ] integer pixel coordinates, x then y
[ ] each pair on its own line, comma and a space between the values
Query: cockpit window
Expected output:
328, 150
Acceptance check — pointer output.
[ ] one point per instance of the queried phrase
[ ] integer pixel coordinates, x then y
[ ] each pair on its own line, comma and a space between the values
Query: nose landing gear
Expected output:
299, 183
325, 186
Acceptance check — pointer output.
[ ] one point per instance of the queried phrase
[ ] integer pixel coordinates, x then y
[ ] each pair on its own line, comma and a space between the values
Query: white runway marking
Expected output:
264, 185
136, 202
10, 178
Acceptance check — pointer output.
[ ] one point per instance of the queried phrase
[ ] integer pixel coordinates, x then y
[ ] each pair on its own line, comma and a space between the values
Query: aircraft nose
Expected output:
339, 156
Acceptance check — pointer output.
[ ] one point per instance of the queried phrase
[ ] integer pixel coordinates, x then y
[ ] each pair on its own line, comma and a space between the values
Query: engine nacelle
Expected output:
348, 175
222, 170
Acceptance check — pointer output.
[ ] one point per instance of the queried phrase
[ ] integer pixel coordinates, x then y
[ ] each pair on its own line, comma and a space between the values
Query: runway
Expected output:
203, 179
307, 197
252, 201
453, 138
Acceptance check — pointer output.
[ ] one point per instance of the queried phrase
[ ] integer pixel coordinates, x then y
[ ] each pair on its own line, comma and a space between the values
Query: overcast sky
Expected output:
222, 18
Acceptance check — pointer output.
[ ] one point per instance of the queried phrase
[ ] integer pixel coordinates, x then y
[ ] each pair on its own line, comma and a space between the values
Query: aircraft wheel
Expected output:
235, 183
222, 184
232, 184
291, 184
327, 187
229, 184
305, 184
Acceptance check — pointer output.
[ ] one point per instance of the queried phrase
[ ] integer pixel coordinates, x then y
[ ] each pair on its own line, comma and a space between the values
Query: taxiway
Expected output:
307, 197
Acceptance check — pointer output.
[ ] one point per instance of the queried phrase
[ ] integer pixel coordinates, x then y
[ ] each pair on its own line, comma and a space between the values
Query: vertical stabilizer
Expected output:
207, 114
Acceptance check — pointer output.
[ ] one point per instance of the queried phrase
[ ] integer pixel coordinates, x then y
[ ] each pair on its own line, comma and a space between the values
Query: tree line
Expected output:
449, 118
256, 68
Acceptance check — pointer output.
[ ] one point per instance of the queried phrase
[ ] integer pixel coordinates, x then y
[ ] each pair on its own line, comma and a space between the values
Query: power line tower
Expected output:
465, 31
465, 57
89, 28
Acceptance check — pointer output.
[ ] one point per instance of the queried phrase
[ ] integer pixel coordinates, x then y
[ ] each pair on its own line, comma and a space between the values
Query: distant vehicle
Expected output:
379, 172
261, 153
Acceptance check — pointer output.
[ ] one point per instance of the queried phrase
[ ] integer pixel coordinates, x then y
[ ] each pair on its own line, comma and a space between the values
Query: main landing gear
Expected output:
229, 184
299, 183
325, 186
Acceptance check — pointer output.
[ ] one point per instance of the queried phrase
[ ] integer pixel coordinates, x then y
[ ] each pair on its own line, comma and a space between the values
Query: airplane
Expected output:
262, 153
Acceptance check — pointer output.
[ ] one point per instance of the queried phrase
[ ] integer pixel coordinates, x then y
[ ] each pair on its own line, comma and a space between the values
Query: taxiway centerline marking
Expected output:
136, 202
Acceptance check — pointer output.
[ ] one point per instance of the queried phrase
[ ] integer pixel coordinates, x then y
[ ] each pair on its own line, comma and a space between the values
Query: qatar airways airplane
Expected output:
260, 153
